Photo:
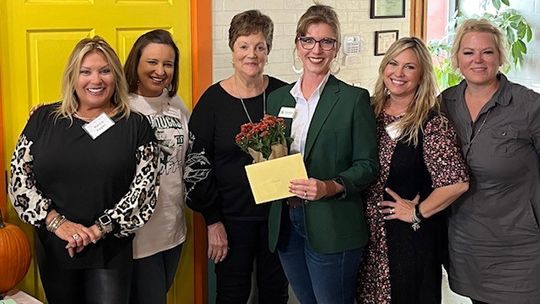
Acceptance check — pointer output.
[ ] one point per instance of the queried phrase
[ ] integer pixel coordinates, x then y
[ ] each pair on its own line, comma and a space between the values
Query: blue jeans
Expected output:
315, 277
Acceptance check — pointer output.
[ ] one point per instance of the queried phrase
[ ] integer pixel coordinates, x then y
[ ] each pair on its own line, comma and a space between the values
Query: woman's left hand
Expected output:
400, 209
310, 189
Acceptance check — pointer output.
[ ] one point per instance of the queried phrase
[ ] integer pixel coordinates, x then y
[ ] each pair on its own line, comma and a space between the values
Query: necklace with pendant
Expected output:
245, 109
244, 104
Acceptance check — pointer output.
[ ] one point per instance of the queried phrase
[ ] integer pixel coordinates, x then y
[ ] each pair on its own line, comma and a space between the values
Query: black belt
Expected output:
295, 202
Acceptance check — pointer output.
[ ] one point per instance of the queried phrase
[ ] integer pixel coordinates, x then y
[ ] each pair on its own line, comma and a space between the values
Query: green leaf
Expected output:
521, 31
514, 18
529, 33
506, 2
496, 4
522, 46
510, 35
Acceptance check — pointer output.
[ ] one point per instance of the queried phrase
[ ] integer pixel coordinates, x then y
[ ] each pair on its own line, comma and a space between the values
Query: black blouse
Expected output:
57, 165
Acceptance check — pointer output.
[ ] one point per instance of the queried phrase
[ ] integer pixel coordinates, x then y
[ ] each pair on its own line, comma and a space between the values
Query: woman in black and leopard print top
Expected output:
81, 169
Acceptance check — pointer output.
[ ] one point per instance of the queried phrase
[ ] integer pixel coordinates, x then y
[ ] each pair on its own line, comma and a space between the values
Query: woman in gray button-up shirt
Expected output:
494, 228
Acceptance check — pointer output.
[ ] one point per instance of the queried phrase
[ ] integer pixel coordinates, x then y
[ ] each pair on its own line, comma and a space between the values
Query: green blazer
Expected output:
341, 142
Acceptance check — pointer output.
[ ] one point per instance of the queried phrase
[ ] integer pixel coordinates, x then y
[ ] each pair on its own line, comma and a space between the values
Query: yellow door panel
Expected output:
42, 46
36, 37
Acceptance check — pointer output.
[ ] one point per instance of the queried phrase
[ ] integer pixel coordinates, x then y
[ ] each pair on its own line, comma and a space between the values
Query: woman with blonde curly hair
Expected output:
84, 174
421, 173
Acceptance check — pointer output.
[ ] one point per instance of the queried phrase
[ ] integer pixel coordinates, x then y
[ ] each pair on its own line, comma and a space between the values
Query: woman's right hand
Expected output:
218, 246
76, 235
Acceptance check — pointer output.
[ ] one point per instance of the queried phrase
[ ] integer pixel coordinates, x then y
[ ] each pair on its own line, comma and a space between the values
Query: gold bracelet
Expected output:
53, 222
57, 224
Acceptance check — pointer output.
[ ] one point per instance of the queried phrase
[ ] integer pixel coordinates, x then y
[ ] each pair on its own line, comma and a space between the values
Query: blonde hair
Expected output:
481, 26
70, 100
425, 98
319, 13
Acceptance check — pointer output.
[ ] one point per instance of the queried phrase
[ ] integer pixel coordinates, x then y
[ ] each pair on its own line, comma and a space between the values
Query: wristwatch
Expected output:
104, 224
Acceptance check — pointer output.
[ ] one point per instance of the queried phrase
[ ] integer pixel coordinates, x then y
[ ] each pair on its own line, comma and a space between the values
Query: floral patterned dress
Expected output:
402, 265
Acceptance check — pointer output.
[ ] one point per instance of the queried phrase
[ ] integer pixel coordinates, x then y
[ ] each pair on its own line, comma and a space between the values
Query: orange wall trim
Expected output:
201, 44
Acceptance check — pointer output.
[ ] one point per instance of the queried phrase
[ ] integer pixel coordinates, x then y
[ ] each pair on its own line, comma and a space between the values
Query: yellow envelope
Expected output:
269, 180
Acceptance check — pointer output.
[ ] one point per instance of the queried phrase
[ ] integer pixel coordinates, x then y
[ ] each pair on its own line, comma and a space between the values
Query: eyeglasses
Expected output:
308, 43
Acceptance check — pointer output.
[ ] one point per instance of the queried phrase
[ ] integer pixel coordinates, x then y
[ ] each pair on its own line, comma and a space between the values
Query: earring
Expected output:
296, 60
335, 67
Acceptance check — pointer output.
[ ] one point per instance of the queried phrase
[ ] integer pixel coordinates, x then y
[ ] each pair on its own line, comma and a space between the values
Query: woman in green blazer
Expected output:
320, 233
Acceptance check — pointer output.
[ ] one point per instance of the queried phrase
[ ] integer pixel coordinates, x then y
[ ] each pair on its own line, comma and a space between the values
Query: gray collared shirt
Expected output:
494, 232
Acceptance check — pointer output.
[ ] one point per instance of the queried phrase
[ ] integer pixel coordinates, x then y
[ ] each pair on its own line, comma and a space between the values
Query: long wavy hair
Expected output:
424, 100
70, 100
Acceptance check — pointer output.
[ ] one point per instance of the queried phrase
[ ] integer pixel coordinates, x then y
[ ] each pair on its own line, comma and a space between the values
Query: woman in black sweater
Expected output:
215, 178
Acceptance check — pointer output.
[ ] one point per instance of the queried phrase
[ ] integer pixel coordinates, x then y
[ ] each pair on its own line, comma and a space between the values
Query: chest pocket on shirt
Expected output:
505, 141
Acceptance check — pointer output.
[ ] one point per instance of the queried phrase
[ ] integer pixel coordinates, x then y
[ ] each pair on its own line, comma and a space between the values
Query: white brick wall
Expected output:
354, 18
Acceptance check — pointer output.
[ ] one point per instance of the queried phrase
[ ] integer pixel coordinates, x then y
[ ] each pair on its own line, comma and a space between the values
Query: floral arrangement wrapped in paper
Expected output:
264, 140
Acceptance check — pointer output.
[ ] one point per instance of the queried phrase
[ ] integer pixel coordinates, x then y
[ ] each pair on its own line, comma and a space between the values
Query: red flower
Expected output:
263, 135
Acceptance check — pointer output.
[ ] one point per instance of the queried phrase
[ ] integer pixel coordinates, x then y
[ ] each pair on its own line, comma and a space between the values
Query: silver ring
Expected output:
305, 194
75, 236
392, 210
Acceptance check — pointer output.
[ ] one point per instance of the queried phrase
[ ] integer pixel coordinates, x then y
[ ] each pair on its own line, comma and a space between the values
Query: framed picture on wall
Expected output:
387, 9
383, 40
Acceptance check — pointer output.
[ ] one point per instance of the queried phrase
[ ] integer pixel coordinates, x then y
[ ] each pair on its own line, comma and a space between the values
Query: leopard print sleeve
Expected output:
137, 205
28, 201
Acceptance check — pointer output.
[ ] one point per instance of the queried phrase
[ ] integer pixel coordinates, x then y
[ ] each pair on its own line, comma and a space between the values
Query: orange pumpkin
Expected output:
14, 255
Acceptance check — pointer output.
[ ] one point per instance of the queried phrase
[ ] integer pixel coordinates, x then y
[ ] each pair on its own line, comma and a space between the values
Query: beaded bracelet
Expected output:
415, 220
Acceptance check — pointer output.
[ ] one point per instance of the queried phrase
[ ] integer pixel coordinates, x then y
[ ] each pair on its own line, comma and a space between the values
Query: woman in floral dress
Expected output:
421, 173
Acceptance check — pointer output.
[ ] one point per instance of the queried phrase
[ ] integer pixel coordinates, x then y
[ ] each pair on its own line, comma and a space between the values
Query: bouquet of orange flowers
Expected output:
264, 140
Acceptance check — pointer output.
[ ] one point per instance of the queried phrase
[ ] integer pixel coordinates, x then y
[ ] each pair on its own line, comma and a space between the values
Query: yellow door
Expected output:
36, 37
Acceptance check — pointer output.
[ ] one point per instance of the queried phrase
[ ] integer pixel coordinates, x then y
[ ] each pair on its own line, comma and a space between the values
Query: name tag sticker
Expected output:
393, 131
99, 125
286, 112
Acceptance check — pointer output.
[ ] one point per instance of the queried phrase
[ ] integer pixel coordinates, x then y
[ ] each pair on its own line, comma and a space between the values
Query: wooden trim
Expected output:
418, 20
201, 50
201, 43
